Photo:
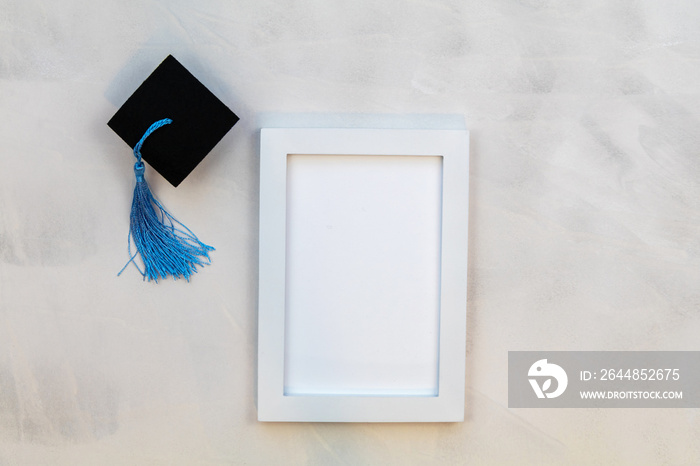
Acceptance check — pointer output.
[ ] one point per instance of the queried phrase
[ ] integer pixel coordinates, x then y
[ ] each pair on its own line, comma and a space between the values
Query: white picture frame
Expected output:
362, 275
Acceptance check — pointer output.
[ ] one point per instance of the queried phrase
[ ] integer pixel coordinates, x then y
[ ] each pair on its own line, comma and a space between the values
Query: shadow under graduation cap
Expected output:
200, 120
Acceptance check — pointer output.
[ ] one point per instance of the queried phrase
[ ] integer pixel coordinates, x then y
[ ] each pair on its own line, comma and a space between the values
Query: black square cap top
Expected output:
200, 120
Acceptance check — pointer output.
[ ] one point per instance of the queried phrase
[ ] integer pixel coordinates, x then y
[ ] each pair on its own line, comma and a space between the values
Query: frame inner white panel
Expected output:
362, 275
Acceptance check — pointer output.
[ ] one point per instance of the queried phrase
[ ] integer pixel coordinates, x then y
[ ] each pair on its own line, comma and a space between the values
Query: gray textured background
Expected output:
585, 214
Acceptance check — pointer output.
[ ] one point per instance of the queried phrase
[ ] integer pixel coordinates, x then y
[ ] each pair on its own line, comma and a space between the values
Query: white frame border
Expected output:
276, 144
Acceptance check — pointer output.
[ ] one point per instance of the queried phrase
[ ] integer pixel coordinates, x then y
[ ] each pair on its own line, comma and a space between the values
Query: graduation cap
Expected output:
183, 121
199, 120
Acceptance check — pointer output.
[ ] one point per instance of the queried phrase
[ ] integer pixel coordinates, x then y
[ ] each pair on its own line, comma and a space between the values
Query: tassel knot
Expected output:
166, 246
139, 170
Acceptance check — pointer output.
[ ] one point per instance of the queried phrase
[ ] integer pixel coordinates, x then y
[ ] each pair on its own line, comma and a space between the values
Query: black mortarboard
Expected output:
200, 120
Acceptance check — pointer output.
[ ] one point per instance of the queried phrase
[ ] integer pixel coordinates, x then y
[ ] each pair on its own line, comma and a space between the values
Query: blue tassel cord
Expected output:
166, 246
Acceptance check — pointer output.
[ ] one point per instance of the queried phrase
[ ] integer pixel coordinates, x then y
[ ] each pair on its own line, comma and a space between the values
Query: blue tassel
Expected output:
166, 246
